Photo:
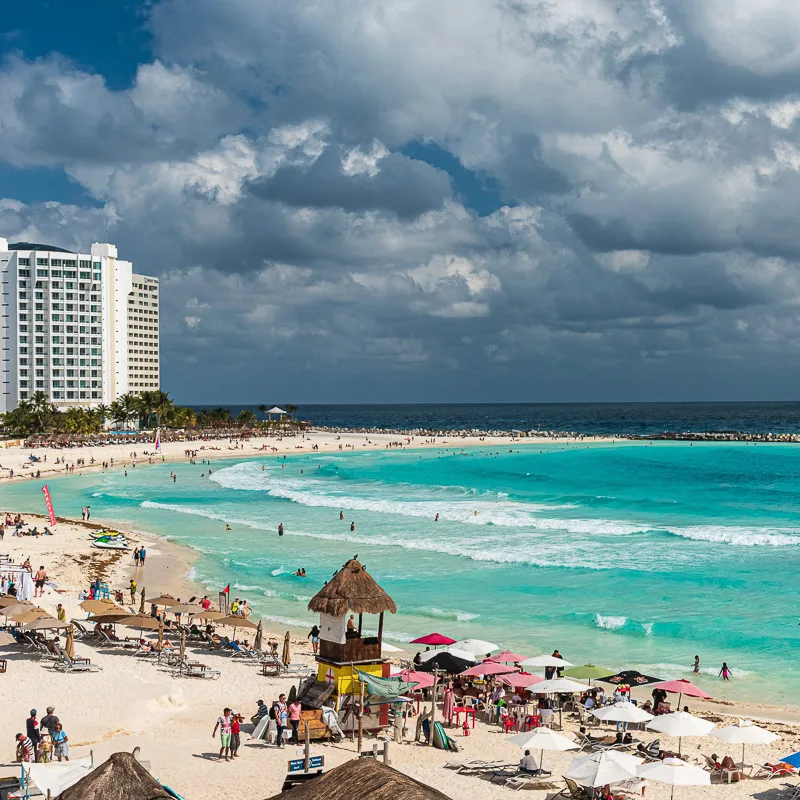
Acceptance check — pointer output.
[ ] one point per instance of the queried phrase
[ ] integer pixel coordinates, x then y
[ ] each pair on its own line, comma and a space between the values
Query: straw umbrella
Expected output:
141, 605
122, 777
744, 732
237, 622
27, 615
164, 600
70, 644
10, 600
99, 606
286, 656
675, 772
542, 739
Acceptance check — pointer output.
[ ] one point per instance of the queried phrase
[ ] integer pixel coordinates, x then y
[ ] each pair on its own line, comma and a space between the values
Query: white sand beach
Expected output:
133, 702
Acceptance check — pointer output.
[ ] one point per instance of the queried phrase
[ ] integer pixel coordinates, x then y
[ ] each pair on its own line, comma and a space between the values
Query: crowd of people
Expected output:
44, 740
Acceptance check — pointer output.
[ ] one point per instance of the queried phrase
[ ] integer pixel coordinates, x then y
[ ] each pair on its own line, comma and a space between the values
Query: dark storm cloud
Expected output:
401, 185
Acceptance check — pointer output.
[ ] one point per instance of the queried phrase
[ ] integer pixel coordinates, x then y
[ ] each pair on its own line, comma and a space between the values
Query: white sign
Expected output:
332, 629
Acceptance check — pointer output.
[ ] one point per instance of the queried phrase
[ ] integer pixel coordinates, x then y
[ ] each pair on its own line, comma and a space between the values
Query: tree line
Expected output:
152, 409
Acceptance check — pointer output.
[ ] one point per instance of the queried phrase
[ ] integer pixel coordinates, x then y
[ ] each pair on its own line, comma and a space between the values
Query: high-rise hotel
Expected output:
80, 327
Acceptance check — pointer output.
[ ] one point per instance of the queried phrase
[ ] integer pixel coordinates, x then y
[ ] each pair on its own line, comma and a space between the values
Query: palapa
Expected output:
362, 779
351, 588
122, 777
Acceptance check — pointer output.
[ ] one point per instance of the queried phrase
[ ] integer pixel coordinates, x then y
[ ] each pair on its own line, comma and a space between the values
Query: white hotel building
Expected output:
81, 327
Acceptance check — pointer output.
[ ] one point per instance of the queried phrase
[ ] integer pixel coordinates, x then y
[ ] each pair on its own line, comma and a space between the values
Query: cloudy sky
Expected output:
426, 200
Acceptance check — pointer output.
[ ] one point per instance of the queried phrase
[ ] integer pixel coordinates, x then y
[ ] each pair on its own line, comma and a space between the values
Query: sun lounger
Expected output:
194, 669
571, 790
76, 664
528, 781
476, 767
770, 771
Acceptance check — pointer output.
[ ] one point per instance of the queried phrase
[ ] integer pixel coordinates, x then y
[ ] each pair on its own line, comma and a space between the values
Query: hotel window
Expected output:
98, 264
55, 273
41, 262
24, 262
24, 273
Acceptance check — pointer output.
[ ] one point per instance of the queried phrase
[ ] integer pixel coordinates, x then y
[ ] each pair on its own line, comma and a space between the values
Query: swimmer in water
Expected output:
227, 527
341, 515
437, 518
352, 526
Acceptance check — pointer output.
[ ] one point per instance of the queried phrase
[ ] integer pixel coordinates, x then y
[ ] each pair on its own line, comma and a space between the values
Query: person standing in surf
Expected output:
280, 529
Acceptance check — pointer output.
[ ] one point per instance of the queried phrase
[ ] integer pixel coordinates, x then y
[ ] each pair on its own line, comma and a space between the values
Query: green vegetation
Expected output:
146, 411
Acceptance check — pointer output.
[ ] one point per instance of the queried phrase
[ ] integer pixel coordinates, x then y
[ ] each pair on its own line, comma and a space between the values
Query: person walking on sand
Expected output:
314, 636
236, 729
40, 577
279, 714
224, 723
136, 557
725, 672
142, 555
132, 590
295, 712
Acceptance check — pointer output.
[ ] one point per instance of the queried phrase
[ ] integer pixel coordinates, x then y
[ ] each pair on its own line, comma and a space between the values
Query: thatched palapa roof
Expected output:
122, 777
351, 588
362, 779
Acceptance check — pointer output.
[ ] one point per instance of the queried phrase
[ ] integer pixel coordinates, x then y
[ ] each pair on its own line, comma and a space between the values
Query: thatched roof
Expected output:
122, 777
362, 779
351, 588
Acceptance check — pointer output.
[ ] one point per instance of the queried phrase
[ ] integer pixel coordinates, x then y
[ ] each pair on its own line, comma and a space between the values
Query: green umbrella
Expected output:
586, 672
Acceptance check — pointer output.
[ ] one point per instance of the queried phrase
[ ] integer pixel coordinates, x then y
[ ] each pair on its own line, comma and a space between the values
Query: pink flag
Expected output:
49, 503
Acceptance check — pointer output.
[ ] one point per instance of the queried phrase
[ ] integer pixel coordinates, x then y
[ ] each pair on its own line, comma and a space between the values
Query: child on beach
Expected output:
725, 671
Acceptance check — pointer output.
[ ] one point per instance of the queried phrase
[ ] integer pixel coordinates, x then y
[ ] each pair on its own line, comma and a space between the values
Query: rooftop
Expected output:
46, 248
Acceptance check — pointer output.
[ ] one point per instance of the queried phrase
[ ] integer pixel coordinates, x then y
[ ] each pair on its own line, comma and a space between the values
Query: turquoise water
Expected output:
626, 555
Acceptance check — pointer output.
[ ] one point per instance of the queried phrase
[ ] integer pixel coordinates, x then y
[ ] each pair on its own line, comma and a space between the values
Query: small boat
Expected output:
105, 534
113, 544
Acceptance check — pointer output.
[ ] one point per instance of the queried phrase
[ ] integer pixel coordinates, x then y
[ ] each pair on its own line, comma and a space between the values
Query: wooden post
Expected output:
375, 750
433, 703
360, 715
380, 628
360, 623
386, 752
307, 748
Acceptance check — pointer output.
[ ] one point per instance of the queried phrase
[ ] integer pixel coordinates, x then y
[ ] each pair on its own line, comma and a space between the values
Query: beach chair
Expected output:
770, 771
527, 781
107, 641
76, 664
571, 790
194, 669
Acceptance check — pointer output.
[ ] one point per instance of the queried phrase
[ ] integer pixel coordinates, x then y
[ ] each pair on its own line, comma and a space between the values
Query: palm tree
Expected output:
290, 409
262, 408
247, 418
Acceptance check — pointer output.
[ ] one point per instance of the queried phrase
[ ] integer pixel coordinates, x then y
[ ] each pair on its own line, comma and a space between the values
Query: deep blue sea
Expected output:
624, 555
589, 418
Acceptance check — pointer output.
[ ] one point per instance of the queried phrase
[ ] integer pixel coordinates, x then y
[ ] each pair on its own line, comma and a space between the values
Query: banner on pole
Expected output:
158, 439
49, 503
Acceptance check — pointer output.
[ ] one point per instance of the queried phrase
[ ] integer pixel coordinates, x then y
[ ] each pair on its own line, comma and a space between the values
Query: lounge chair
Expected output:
466, 767
571, 790
194, 669
109, 642
75, 664
770, 771
525, 780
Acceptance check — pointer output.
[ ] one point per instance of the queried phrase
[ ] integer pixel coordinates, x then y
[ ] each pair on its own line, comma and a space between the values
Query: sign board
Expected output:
314, 762
332, 629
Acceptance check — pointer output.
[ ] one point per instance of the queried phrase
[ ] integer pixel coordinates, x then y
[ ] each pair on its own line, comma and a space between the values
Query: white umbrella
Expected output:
599, 769
558, 686
477, 647
675, 772
543, 739
744, 732
680, 724
545, 661
465, 655
390, 648
622, 712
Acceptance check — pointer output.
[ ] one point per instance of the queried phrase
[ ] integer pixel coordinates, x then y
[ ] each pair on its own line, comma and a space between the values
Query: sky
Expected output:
426, 200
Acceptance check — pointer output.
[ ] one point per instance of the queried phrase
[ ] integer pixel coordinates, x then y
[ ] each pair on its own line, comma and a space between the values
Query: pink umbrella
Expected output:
434, 640
507, 657
423, 679
682, 687
486, 668
519, 680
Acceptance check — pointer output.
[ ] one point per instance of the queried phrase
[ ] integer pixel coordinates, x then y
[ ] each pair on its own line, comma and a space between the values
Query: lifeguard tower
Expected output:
344, 648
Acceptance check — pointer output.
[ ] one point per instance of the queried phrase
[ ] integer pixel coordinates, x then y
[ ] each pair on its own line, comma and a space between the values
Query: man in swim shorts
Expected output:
224, 723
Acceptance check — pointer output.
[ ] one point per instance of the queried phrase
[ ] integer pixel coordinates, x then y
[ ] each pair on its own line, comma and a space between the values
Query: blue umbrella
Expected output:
793, 759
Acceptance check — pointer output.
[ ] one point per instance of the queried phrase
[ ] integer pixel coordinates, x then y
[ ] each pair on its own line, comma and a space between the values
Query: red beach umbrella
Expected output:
683, 687
434, 640
519, 680
423, 679
507, 657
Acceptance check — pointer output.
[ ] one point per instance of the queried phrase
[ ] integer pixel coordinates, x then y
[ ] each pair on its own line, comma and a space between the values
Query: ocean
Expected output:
622, 555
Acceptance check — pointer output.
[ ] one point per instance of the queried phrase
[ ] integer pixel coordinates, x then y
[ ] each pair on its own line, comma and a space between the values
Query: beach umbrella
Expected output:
622, 712
237, 622
141, 605
182, 646
434, 640
545, 661
507, 657
447, 662
478, 647
424, 680
520, 680
45, 624
486, 668
163, 600
629, 677
25, 615
98, 606
390, 648
70, 645
599, 769
456, 652
559, 686
14, 609
184, 608
286, 656
259, 637
682, 687
542, 739
680, 724
10, 600
744, 732
793, 759
211, 616
588, 672
675, 772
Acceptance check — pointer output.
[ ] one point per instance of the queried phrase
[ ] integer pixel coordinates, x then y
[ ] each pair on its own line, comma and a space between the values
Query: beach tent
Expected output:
434, 640
122, 777
682, 687
629, 677
363, 779
744, 732
675, 772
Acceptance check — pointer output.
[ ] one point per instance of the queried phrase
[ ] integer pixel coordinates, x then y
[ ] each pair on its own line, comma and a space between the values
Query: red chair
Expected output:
509, 723
531, 721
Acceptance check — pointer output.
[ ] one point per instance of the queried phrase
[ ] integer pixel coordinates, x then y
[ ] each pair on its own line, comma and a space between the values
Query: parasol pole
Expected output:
433, 703
360, 715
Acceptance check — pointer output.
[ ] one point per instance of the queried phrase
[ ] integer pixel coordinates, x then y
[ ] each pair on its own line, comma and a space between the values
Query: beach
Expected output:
134, 703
